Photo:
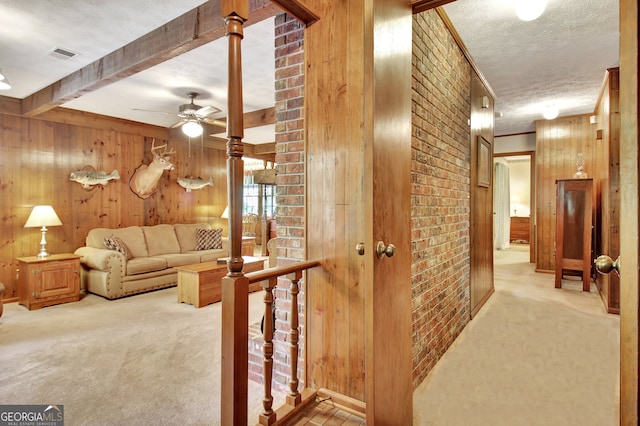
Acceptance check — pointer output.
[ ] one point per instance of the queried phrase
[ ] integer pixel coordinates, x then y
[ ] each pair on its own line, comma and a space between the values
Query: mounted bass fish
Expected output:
89, 178
194, 183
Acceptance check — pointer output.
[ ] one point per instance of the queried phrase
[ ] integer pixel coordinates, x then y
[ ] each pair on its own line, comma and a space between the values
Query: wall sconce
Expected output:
43, 216
485, 102
593, 119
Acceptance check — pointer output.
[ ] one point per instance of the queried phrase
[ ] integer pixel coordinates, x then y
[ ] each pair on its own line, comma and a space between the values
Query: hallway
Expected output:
534, 355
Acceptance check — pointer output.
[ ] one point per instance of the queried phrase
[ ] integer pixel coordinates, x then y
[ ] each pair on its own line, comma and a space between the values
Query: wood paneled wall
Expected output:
608, 186
38, 156
558, 143
335, 193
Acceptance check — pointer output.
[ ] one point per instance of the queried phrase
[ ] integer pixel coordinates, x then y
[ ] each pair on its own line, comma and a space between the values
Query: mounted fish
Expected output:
194, 183
88, 177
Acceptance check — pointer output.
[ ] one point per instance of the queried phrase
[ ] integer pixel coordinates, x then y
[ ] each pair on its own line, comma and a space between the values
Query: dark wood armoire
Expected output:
574, 229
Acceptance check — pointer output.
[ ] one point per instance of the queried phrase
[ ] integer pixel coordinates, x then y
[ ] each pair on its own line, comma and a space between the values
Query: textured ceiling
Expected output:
559, 58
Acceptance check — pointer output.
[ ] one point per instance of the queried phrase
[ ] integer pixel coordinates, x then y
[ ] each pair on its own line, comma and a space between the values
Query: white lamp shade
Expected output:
192, 128
42, 216
225, 213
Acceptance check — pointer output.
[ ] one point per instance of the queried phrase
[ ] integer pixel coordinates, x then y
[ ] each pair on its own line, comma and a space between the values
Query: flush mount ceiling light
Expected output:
192, 128
4, 81
528, 10
550, 112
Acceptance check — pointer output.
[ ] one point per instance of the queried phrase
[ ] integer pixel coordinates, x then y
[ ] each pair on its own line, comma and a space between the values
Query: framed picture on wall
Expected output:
484, 162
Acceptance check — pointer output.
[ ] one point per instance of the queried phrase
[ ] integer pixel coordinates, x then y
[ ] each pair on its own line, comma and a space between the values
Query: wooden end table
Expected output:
49, 281
201, 284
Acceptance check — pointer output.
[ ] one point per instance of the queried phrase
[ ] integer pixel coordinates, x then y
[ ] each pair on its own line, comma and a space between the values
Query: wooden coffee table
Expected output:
201, 284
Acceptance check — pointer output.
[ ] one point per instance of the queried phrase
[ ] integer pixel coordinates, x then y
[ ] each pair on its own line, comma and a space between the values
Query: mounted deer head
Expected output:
144, 181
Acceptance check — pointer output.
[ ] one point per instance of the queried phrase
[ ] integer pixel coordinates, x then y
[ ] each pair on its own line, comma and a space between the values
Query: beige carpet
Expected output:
534, 355
141, 360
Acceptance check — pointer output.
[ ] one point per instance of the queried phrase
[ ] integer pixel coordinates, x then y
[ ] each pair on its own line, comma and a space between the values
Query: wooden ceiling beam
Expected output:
266, 151
187, 32
97, 121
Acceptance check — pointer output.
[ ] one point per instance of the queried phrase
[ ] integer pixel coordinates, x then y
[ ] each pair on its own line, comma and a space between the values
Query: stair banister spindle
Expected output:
268, 416
294, 398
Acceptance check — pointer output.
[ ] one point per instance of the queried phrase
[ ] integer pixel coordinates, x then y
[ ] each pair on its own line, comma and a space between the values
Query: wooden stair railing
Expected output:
295, 399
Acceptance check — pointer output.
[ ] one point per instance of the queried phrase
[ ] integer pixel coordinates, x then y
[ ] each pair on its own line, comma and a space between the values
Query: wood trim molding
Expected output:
9, 105
96, 121
186, 32
423, 5
297, 9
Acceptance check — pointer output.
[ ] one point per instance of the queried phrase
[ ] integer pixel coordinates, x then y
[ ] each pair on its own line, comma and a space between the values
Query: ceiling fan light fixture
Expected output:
192, 128
529, 10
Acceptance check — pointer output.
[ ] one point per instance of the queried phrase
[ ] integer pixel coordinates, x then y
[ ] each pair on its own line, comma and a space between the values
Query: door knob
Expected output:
360, 248
604, 264
382, 249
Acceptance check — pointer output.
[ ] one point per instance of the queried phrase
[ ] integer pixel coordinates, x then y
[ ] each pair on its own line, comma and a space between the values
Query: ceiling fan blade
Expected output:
214, 122
178, 124
207, 110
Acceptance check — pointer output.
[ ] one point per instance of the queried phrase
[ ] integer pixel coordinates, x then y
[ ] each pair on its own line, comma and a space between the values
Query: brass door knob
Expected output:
360, 248
383, 249
604, 264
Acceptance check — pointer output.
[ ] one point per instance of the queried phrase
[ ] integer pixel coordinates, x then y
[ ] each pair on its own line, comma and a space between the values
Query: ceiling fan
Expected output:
192, 116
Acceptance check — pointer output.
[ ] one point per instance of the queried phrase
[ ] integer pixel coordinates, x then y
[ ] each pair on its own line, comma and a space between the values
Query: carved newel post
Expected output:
235, 296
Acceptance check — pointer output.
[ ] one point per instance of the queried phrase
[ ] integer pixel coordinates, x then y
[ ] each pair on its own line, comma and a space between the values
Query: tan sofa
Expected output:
154, 252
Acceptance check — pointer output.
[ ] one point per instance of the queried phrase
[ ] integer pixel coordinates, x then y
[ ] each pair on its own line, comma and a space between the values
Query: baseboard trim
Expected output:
346, 403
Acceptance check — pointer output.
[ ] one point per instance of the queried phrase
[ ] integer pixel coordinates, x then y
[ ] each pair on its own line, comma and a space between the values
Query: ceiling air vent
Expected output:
60, 53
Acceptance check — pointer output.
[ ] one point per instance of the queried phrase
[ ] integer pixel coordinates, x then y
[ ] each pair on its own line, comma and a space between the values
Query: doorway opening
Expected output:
514, 202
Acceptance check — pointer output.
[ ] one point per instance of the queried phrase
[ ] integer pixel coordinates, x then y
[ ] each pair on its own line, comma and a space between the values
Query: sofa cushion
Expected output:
186, 234
180, 259
207, 239
211, 255
161, 239
116, 244
145, 264
132, 237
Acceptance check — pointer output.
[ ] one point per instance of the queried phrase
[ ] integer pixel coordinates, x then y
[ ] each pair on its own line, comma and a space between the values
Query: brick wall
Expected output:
440, 191
289, 61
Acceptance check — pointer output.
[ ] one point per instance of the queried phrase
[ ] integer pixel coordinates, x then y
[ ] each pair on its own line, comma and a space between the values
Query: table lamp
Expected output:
42, 216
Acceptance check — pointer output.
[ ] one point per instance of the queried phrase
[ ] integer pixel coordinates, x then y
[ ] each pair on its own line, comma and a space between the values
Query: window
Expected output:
257, 198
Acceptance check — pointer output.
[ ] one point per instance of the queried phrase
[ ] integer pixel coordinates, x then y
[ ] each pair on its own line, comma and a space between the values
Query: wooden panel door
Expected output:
481, 232
629, 278
387, 202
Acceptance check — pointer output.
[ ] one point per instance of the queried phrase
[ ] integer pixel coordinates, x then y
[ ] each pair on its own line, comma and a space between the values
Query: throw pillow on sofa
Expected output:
115, 243
207, 239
